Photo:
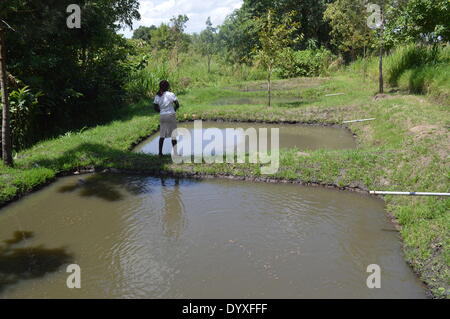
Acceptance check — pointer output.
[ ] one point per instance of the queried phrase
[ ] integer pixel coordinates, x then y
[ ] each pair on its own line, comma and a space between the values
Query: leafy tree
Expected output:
179, 40
81, 72
179, 23
309, 13
238, 36
208, 42
171, 37
161, 38
350, 33
418, 20
274, 37
144, 33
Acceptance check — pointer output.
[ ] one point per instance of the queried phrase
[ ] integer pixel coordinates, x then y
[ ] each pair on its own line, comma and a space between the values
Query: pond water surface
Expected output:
276, 100
146, 237
304, 137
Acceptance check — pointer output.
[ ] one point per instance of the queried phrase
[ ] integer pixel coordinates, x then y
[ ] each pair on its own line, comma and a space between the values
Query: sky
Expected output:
155, 12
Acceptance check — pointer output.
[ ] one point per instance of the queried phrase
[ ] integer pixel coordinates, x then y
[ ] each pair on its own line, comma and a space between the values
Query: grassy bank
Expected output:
405, 149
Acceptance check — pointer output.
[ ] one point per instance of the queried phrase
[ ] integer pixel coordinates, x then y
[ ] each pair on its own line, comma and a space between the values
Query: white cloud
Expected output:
155, 12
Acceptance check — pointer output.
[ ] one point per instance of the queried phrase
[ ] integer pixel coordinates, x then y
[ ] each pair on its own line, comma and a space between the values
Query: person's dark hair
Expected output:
164, 86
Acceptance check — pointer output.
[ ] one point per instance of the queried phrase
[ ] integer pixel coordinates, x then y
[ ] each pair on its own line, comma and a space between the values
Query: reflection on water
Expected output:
108, 189
94, 187
173, 218
28, 262
169, 238
299, 136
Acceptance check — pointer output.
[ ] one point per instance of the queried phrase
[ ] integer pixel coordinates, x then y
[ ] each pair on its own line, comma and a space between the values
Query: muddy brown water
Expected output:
303, 137
146, 237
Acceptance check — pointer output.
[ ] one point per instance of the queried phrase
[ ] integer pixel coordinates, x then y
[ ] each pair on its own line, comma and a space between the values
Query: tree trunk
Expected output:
269, 86
381, 70
381, 51
209, 64
364, 64
6, 131
176, 54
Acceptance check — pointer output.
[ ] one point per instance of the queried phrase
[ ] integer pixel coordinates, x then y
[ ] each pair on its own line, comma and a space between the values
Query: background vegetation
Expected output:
92, 88
65, 79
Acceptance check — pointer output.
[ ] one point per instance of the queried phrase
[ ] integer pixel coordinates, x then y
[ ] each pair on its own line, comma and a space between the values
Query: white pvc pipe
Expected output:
335, 94
408, 193
356, 121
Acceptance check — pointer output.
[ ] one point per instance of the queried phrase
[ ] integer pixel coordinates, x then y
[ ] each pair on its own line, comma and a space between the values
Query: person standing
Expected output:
166, 103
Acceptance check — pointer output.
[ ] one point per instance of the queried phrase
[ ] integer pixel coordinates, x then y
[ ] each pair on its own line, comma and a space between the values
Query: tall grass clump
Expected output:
144, 82
421, 69
433, 80
409, 57
367, 67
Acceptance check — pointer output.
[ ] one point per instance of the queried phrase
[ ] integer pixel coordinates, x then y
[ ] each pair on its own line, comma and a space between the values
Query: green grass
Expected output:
405, 149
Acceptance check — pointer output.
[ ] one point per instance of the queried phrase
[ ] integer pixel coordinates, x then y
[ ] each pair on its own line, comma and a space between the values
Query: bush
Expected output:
311, 62
23, 111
